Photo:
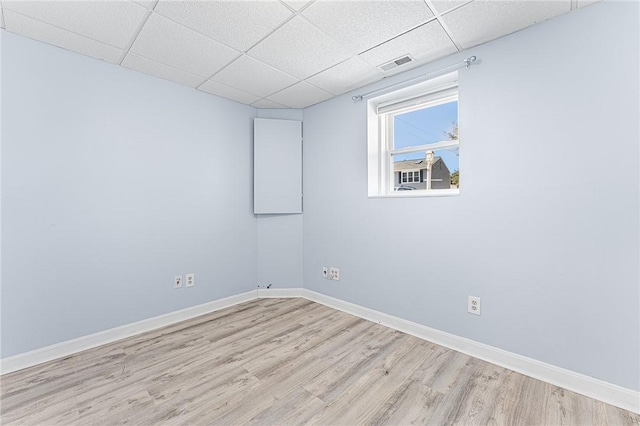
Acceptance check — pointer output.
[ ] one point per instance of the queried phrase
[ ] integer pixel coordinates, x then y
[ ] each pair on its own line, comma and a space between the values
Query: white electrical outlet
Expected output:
177, 281
325, 272
473, 305
190, 280
334, 273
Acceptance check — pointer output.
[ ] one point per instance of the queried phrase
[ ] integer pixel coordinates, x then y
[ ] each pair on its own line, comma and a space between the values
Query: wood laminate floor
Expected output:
286, 361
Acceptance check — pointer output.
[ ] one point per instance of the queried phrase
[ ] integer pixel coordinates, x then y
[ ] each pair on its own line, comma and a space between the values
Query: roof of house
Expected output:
413, 164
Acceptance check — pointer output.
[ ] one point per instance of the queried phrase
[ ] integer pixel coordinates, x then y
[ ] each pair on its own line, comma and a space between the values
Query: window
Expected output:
413, 141
410, 177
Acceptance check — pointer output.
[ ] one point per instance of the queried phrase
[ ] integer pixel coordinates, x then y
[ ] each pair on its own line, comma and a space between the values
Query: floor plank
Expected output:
286, 362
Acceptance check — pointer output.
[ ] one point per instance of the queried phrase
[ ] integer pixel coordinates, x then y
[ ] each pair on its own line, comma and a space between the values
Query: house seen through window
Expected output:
416, 144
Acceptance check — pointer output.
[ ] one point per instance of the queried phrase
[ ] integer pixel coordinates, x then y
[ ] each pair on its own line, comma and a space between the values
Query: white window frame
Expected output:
380, 118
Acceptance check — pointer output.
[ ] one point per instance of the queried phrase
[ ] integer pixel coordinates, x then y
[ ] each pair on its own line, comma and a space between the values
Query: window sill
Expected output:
419, 193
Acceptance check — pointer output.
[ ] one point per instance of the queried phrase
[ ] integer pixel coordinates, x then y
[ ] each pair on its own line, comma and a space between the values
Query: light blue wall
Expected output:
280, 236
539, 231
112, 182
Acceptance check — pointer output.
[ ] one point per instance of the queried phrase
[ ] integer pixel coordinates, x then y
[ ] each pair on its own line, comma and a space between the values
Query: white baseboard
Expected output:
627, 399
611, 394
264, 293
70, 347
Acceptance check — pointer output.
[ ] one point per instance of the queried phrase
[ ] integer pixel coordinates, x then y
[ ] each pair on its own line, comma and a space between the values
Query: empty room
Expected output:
325, 212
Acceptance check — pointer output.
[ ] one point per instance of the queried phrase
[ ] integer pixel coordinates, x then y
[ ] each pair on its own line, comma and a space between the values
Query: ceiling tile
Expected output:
239, 24
176, 45
189, 41
161, 70
146, 3
300, 49
266, 103
361, 25
296, 4
425, 43
110, 22
443, 6
348, 75
484, 20
252, 76
300, 95
218, 89
37, 30
583, 3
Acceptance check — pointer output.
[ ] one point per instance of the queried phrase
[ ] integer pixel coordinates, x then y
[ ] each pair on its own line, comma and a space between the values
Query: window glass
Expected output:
426, 126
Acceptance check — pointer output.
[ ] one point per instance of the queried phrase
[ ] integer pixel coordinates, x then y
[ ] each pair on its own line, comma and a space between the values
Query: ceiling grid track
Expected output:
294, 13
445, 27
143, 22
246, 52
430, 20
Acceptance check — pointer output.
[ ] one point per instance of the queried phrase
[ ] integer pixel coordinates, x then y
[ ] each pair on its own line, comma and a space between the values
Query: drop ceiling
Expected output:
273, 53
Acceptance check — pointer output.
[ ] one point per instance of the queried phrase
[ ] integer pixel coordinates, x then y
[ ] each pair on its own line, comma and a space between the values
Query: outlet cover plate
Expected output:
190, 280
334, 273
473, 305
325, 272
177, 281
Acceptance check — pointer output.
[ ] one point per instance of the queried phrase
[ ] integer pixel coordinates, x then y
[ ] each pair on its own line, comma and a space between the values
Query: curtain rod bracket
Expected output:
470, 60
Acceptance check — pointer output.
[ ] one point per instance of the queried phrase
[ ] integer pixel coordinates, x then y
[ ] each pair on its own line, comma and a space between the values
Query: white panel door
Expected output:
277, 166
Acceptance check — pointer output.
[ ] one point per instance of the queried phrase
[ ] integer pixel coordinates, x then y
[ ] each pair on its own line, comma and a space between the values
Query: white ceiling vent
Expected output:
396, 63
